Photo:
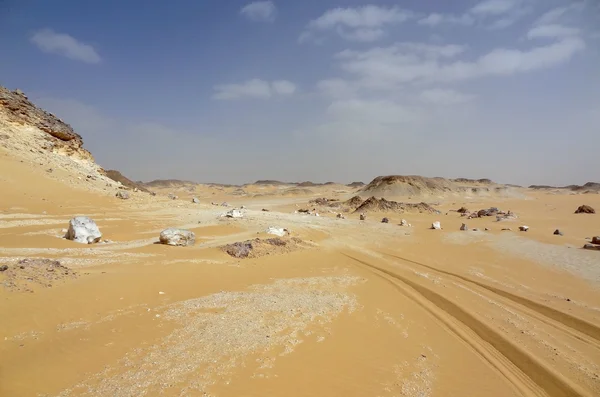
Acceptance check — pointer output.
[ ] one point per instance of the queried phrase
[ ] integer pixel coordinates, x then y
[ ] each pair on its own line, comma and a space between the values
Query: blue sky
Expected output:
234, 91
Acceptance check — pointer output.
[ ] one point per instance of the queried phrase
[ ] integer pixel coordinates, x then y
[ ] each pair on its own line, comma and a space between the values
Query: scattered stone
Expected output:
31, 272
591, 247
385, 220
363, 217
507, 229
403, 222
122, 194
462, 210
464, 227
475, 230
596, 240
135, 190
258, 247
177, 237
153, 193
558, 233
161, 293
265, 210
340, 216
225, 204
195, 200
277, 231
523, 228
486, 229
235, 213
239, 249
436, 225
83, 229
49, 170
585, 209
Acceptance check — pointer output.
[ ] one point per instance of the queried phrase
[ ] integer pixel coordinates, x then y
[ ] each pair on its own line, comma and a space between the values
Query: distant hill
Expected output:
417, 186
118, 177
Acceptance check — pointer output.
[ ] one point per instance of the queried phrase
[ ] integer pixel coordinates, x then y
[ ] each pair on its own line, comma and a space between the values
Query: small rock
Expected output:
177, 237
83, 229
507, 229
340, 216
558, 233
464, 227
486, 229
135, 190
265, 210
585, 209
234, 214
195, 200
591, 247
523, 228
161, 293
385, 220
362, 217
404, 223
436, 225
475, 230
596, 240
122, 194
3, 268
225, 204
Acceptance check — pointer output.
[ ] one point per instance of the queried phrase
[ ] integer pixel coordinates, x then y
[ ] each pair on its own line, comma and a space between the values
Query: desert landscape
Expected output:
403, 286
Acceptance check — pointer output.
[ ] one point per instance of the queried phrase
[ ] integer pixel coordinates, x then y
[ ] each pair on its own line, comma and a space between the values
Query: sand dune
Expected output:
360, 309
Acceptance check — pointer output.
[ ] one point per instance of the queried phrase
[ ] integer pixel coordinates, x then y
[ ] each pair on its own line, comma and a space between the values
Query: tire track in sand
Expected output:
528, 374
564, 321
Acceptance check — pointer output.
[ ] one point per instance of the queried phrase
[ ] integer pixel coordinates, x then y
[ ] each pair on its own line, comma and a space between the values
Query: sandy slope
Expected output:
369, 309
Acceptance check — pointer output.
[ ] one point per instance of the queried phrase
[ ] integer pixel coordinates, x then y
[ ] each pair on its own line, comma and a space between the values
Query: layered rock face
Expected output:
36, 129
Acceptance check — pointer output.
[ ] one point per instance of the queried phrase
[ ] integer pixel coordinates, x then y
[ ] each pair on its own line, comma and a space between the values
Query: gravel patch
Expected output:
219, 332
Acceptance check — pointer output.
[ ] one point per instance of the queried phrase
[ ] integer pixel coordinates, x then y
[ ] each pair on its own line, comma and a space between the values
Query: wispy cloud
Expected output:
493, 14
262, 11
255, 88
63, 44
385, 68
356, 23
438, 96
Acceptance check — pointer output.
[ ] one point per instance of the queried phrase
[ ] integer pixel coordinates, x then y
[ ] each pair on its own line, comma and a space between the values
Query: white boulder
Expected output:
178, 237
83, 230
195, 200
523, 228
436, 225
235, 213
277, 231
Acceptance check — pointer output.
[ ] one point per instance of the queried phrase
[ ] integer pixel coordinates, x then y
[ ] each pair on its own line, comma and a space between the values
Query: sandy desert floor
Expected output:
360, 309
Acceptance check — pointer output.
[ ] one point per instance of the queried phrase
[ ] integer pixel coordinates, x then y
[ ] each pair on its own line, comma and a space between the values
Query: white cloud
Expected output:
386, 68
552, 31
264, 11
361, 35
493, 14
283, 87
436, 19
356, 23
438, 96
495, 7
49, 41
255, 88
559, 14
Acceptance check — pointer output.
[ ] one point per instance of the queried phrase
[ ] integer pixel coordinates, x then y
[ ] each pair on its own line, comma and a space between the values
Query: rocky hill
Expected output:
28, 128
419, 186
